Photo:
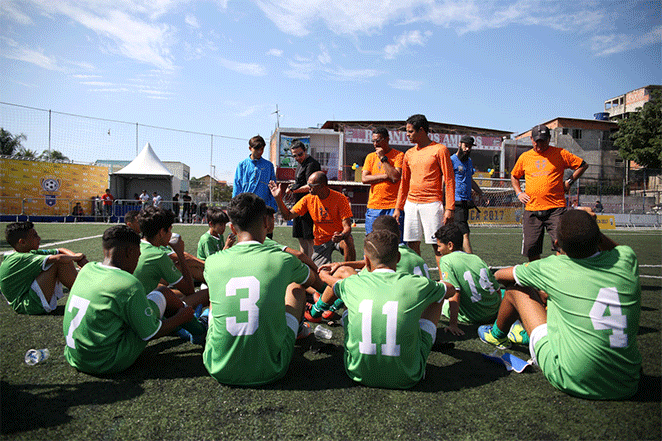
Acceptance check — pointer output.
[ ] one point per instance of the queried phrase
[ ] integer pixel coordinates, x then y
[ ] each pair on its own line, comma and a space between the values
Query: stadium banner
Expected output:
49, 188
606, 221
496, 216
450, 140
285, 159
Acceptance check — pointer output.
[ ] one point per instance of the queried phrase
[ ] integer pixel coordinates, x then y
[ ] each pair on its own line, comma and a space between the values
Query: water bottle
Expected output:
174, 239
34, 356
323, 333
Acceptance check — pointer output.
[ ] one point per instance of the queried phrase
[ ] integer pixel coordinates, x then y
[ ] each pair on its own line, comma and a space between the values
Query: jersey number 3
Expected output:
248, 304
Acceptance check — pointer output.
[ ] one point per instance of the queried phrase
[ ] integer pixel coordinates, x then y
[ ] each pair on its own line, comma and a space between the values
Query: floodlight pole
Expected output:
211, 166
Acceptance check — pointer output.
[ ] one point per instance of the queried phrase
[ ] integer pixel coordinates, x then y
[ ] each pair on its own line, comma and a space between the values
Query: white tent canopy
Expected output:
146, 163
145, 172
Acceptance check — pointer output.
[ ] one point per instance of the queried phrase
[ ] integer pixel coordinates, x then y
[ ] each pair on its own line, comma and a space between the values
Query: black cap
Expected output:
469, 140
539, 132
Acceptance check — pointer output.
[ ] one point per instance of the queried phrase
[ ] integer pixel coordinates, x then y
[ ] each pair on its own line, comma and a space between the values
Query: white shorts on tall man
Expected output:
422, 221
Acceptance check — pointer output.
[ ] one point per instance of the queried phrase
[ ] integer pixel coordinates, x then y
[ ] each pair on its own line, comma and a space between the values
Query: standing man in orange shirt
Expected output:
332, 218
426, 168
543, 167
382, 169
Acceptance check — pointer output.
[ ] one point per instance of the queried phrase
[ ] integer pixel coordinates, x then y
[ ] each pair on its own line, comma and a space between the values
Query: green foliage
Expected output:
53, 155
27, 153
639, 137
9, 143
222, 193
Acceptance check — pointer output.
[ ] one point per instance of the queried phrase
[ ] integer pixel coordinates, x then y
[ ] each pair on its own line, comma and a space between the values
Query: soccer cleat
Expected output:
330, 316
485, 334
518, 334
304, 330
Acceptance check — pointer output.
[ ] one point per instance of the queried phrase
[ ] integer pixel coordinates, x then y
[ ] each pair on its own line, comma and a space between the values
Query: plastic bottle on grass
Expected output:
323, 333
34, 356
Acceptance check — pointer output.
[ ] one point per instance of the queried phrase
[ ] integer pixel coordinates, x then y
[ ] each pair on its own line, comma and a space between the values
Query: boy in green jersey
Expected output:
391, 318
585, 340
257, 300
477, 293
108, 319
212, 241
31, 279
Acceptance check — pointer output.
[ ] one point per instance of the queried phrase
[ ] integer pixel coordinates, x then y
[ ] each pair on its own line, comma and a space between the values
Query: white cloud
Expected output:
14, 51
605, 45
192, 21
275, 52
406, 85
253, 69
355, 75
324, 56
407, 39
9, 10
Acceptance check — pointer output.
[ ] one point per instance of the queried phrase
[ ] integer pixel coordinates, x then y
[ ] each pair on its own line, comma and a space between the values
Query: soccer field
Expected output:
168, 394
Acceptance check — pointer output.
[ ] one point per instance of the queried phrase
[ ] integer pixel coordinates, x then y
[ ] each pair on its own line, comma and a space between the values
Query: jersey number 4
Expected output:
616, 321
366, 346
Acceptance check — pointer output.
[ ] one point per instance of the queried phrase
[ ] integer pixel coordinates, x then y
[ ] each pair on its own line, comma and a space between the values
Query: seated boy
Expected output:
194, 265
257, 301
585, 341
477, 293
31, 279
390, 322
212, 241
108, 318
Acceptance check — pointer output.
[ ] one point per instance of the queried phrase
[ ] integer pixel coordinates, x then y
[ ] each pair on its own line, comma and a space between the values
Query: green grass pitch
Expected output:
168, 394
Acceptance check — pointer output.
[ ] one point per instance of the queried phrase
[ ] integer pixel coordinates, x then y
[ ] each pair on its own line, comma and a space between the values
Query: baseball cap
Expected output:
539, 132
467, 140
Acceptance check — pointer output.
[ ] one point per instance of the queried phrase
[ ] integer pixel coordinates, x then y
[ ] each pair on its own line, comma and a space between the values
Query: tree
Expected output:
222, 193
26, 153
639, 137
53, 155
9, 143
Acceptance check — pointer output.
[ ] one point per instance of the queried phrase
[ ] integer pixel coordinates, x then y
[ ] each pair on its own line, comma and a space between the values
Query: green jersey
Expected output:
384, 343
592, 321
480, 293
273, 243
17, 272
411, 263
209, 244
108, 320
248, 341
154, 265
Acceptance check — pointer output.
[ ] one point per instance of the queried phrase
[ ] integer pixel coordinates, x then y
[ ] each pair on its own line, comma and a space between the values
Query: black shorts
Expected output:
302, 227
462, 215
534, 224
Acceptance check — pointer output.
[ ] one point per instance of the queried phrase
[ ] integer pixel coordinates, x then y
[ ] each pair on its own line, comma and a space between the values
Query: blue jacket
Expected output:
253, 176
463, 172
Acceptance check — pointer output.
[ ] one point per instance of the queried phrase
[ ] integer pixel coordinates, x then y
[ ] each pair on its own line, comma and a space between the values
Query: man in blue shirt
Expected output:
254, 173
464, 170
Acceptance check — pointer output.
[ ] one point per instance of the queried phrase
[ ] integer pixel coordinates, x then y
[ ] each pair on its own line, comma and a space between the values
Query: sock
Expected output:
498, 333
337, 305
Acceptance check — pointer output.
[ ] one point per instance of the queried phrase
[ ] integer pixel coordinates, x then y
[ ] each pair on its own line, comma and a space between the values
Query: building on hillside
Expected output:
590, 139
623, 105
199, 188
341, 148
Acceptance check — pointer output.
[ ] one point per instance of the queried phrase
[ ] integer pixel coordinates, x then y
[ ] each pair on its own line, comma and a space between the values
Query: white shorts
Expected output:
536, 335
422, 221
292, 323
158, 298
58, 293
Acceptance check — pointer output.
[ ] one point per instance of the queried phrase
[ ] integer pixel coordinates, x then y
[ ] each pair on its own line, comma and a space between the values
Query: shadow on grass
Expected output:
650, 390
32, 406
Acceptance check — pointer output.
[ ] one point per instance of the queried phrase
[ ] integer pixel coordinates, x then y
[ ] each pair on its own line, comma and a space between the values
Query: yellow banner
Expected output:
606, 222
496, 215
49, 188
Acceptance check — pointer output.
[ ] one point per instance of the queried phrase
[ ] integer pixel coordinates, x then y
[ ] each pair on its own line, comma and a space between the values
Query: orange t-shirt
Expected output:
383, 194
422, 172
327, 214
543, 175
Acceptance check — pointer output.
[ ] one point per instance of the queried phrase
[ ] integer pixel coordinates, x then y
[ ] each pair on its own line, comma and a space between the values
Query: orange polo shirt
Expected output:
383, 194
543, 175
327, 214
422, 172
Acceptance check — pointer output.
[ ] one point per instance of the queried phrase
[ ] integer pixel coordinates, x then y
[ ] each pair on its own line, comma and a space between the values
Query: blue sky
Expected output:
221, 67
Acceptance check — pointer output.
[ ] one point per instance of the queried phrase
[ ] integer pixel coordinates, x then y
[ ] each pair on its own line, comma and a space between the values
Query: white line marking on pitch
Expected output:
50, 245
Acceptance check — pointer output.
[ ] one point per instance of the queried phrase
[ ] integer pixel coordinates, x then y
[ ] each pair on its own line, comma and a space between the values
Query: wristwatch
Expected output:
570, 180
383, 159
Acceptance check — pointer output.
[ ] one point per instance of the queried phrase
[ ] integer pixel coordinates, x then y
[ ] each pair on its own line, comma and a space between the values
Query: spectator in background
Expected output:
156, 200
598, 208
302, 226
186, 207
175, 207
254, 173
78, 210
144, 198
542, 168
107, 199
